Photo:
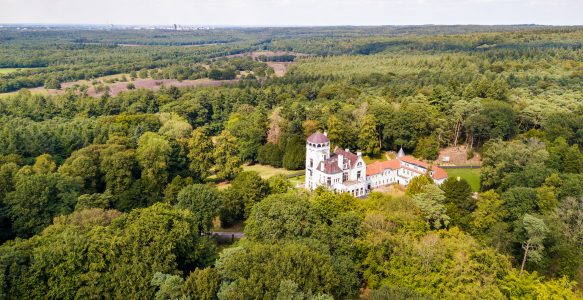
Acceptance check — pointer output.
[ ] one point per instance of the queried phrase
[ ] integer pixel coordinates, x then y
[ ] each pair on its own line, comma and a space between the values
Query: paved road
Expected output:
228, 235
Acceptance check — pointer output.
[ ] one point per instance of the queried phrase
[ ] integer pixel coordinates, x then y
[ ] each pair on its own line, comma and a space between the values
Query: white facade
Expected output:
340, 171
343, 171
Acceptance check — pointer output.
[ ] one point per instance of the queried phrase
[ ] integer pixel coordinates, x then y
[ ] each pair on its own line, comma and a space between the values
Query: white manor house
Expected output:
343, 171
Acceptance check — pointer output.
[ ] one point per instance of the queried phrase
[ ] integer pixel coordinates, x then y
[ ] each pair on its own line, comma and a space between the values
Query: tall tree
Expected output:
200, 153
203, 201
368, 137
458, 200
430, 201
536, 232
227, 163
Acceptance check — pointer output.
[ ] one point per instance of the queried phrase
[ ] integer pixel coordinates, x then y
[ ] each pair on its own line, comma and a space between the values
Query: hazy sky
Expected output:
293, 12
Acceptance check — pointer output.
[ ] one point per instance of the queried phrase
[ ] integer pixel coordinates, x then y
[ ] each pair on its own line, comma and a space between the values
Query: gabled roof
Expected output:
379, 166
438, 173
351, 157
318, 138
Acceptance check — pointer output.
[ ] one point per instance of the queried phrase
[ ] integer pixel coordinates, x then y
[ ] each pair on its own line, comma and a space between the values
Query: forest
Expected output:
119, 196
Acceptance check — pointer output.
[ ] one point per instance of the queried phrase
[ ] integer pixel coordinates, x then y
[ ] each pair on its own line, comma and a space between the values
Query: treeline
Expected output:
85, 181
317, 246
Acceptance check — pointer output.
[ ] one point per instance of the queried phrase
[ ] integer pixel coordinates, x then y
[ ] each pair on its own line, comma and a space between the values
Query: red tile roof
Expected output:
318, 138
439, 173
379, 166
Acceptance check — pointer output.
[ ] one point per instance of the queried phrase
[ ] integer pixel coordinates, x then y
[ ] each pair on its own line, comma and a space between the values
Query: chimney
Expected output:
325, 133
347, 150
341, 161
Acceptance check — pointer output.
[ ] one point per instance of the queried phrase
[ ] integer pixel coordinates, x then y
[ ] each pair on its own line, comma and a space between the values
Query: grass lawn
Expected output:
297, 180
381, 157
471, 175
267, 171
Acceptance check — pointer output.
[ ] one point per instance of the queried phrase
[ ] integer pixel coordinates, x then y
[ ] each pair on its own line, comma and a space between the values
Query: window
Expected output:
329, 181
311, 162
344, 176
358, 175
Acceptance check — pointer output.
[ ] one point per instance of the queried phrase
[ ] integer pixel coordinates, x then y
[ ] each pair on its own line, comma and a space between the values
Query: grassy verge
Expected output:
472, 176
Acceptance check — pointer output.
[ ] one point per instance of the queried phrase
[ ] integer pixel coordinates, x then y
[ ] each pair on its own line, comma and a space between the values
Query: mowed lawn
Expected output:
267, 171
471, 175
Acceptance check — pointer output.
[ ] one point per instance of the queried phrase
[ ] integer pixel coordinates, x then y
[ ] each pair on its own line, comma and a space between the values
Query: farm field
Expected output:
471, 175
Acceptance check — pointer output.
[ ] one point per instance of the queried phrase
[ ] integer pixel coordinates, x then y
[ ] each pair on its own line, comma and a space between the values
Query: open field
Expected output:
7, 70
471, 175
12, 70
280, 68
267, 171
118, 87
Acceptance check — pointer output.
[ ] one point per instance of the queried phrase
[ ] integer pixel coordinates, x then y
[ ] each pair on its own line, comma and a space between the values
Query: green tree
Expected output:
227, 163
368, 137
202, 284
294, 156
416, 184
251, 188
44, 164
249, 126
279, 184
203, 201
573, 160
430, 201
143, 73
174, 187
255, 271
200, 153
281, 217
536, 232
458, 200
489, 211
153, 156
427, 148
168, 286
232, 208
52, 83
37, 198
336, 131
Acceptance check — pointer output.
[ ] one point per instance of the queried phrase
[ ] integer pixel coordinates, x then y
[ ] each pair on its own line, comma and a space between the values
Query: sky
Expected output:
292, 12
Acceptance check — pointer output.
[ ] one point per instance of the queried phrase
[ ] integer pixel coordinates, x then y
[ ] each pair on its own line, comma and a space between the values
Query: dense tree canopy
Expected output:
117, 195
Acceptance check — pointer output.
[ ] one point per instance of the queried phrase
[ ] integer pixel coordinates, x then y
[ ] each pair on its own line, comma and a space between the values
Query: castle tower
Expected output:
317, 150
